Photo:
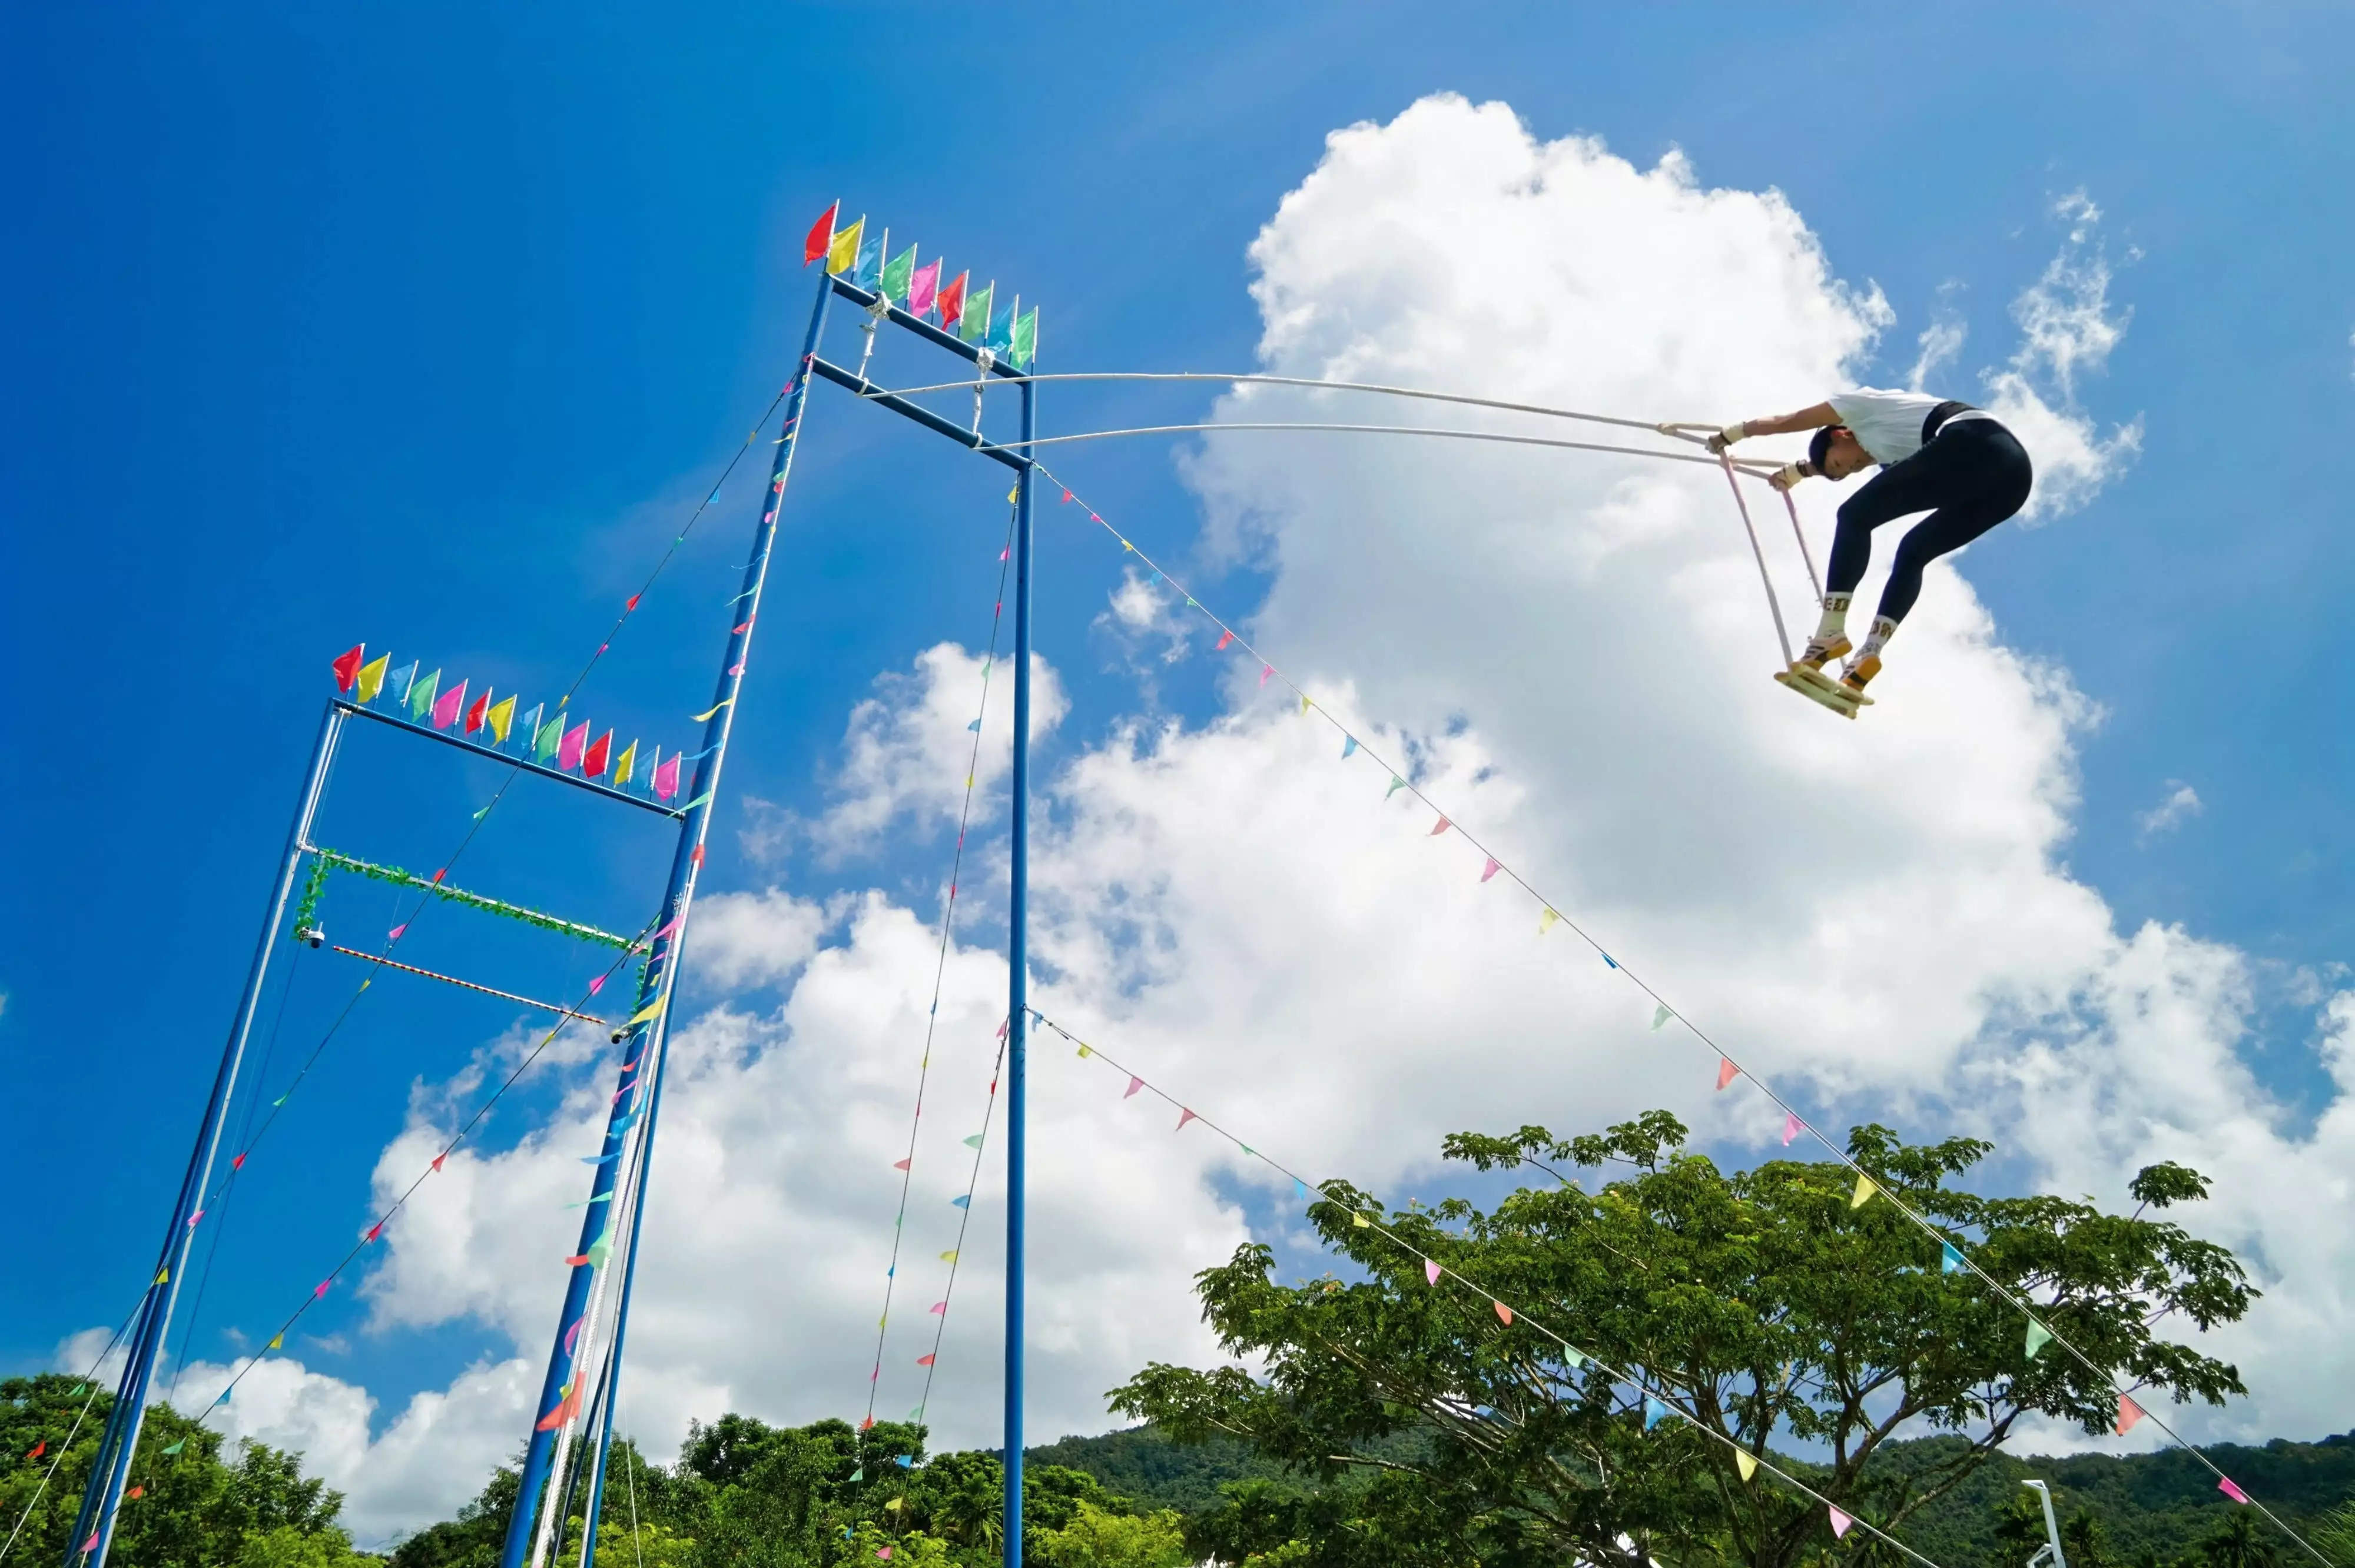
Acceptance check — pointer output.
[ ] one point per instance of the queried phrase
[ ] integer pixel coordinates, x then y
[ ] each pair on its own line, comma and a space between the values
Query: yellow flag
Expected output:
652, 1010
1085, 1052
1864, 1191
625, 764
500, 720
1744, 1463
1013, 494
163, 1274
372, 678
1545, 922
948, 1257
843, 254
1360, 1221
1304, 702
277, 1341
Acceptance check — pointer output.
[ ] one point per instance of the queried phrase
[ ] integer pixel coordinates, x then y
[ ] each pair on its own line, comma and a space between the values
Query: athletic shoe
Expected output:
1861, 672
1820, 652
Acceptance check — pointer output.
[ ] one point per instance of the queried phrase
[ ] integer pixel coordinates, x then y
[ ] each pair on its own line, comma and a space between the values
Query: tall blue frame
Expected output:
644, 1068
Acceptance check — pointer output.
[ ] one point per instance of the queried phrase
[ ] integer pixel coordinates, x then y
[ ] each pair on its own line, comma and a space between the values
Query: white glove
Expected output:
1789, 475
1726, 438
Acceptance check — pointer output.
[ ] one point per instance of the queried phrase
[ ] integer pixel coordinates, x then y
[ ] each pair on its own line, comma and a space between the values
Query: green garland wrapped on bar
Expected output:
305, 914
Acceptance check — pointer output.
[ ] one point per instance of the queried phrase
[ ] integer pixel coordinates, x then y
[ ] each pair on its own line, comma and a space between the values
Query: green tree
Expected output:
2238, 1544
1097, 1539
2334, 1534
1763, 1302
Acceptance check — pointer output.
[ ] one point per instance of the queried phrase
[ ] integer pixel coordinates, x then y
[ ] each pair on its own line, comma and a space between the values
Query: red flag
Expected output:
237, 1163
2129, 1414
1504, 1314
347, 667
375, 1231
566, 1409
923, 1361
1225, 638
952, 301
821, 237
1726, 1071
475, 715
440, 1158
39, 1448
136, 1492
593, 762
633, 604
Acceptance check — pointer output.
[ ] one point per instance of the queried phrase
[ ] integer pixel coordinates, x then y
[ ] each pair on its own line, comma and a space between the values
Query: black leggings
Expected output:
1974, 472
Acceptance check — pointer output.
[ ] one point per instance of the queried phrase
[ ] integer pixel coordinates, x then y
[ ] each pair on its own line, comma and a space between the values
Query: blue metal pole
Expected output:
565, 1363
1017, 1018
103, 1493
596, 1498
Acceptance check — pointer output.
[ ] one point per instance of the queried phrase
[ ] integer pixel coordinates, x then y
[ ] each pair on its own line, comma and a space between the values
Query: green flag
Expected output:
1025, 339
2039, 1336
896, 274
550, 735
177, 1446
421, 695
974, 325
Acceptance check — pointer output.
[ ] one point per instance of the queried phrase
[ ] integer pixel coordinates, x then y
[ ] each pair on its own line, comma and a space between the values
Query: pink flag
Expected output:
1184, 1115
1225, 638
1001, 1031
1430, 1270
446, 707
898, 1165
667, 930
596, 985
923, 288
1504, 1313
1726, 1072
1066, 498
2129, 1414
938, 1307
1439, 827
1264, 671
1491, 869
666, 779
1005, 552
394, 935
572, 1333
375, 1231
1134, 1085
749, 620
2225, 1486
1841, 1521
924, 1360
569, 749
92, 1544
322, 1289
440, 1158
1790, 1128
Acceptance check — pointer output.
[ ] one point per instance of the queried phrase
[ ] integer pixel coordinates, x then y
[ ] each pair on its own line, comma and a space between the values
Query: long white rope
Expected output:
1016, 449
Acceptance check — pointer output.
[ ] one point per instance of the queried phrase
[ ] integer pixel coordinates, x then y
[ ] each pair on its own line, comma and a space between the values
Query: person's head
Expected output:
1836, 453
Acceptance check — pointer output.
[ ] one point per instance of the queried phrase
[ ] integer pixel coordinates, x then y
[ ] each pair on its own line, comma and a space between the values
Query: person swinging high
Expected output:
1953, 461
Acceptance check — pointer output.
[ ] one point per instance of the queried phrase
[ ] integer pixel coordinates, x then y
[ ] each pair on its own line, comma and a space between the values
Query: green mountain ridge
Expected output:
2160, 1503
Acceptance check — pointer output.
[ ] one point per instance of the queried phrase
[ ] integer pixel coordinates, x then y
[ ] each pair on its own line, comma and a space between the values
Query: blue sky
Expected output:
425, 327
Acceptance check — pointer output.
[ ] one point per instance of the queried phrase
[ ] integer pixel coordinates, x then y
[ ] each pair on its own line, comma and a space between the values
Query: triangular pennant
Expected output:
923, 288
1226, 640
569, 749
1397, 784
1841, 1521
1546, 921
949, 1257
1348, 747
2039, 1336
842, 252
371, 679
939, 1306
1431, 1271
447, 705
1791, 1127
1134, 1084
1265, 673
592, 761
2129, 1414
1361, 1222
627, 765
1726, 1071
820, 239
899, 1164
479, 712
1864, 1191
346, 666
1660, 1015
1504, 1313
962, 1201
2224, 1484
1950, 1259
1653, 1411
176, 1447
397, 682
973, 1142
1491, 869
1184, 1115
421, 695
1304, 702
1744, 1463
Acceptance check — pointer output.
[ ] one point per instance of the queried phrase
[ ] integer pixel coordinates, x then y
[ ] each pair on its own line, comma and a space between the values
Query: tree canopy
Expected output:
1765, 1305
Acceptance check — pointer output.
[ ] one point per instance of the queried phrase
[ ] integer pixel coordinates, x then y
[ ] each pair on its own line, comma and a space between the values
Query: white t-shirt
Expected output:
1888, 424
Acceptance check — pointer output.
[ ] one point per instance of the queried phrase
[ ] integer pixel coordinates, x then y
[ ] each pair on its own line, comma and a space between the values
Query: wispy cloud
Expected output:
2182, 801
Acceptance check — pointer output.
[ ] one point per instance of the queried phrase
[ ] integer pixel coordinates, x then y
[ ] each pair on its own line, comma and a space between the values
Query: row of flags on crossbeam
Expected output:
548, 740
1010, 335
